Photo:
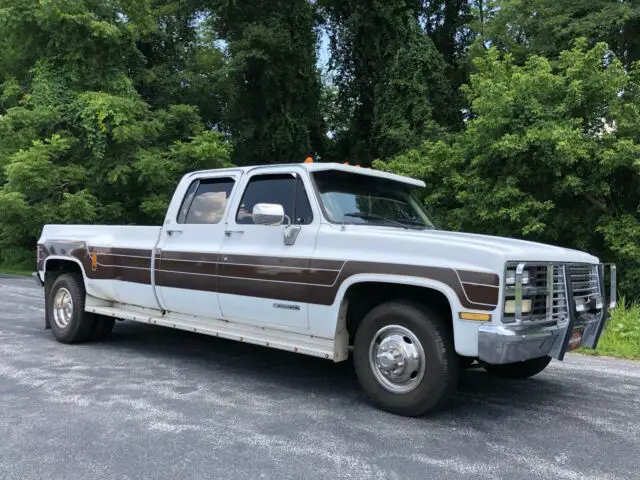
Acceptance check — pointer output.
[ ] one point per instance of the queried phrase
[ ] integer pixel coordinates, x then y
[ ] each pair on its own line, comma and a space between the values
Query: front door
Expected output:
262, 279
186, 261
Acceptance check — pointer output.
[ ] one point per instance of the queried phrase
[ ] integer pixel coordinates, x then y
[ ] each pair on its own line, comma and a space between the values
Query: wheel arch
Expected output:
54, 266
363, 293
61, 264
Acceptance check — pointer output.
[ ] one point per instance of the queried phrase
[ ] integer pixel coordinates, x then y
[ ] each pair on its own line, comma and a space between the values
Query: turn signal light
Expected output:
478, 317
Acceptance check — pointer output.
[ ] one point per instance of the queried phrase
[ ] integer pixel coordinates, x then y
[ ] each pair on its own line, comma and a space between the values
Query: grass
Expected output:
22, 269
11, 271
621, 338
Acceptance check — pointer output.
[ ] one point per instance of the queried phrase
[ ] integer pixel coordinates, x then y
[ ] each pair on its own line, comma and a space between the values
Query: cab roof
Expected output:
321, 167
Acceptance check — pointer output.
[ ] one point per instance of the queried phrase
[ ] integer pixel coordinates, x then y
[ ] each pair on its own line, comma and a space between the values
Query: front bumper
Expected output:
500, 344
509, 343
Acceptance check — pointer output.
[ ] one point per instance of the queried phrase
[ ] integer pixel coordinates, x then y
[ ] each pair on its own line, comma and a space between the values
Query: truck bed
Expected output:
129, 236
58, 241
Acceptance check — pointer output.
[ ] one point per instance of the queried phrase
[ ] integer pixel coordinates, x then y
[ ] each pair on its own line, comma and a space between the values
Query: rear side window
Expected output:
283, 189
205, 201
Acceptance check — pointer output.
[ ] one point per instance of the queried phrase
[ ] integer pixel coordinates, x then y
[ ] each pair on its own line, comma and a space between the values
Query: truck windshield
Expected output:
361, 199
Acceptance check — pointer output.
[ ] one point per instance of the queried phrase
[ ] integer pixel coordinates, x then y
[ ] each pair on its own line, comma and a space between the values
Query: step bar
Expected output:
256, 335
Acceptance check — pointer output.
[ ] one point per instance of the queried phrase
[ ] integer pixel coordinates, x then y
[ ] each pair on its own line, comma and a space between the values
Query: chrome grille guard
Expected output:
593, 331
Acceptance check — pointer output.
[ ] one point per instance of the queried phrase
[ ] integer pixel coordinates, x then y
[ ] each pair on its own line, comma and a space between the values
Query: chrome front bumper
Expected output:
501, 344
509, 343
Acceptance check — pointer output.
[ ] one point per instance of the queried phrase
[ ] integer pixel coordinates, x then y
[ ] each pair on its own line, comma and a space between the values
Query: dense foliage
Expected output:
522, 116
78, 141
550, 152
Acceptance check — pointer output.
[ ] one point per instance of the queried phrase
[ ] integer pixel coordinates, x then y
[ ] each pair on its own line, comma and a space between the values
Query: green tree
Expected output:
271, 83
551, 152
390, 78
181, 60
547, 27
78, 143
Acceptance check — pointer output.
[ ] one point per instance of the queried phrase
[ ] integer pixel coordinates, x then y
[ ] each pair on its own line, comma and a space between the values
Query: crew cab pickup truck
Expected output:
330, 260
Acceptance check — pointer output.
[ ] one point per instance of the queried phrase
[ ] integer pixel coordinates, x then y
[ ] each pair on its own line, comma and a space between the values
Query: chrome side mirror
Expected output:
268, 214
273, 214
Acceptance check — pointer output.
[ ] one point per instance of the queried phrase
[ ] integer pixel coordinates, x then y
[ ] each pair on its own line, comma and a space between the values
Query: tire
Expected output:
406, 327
101, 328
467, 363
72, 324
518, 370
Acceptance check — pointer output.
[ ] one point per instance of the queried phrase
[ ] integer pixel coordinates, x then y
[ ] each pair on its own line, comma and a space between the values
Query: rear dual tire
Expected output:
65, 309
405, 359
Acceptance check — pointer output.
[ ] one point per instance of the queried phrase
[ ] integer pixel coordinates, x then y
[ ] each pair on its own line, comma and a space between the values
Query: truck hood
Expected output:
508, 249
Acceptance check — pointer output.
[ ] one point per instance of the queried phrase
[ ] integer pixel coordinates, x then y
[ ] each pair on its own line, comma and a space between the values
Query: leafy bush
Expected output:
621, 337
550, 152
78, 141
16, 260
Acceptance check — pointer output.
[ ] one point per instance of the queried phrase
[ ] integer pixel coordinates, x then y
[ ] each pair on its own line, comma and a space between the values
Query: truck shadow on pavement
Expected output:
212, 357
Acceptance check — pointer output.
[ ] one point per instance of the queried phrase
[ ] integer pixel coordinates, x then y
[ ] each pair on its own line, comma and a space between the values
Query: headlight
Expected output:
510, 306
510, 278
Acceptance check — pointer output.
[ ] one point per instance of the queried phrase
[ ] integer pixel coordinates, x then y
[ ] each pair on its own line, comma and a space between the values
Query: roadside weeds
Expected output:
621, 338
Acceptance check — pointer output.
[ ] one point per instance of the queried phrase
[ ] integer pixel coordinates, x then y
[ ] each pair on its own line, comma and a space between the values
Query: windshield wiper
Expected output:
373, 216
420, 224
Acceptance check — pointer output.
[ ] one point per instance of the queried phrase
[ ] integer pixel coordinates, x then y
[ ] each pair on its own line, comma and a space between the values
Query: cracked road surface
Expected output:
158, 403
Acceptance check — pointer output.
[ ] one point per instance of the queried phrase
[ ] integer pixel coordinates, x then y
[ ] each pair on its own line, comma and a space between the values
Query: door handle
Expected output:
228, 233
171, 232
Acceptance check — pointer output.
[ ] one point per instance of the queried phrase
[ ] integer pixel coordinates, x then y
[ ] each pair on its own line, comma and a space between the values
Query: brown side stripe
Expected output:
106, 261
124, 252
279, 274
479, 277
204, 283
481, 293
314, 281
292, 292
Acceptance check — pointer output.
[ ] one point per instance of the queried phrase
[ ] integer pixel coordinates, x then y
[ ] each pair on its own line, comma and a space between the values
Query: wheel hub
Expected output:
62, 308
397, 359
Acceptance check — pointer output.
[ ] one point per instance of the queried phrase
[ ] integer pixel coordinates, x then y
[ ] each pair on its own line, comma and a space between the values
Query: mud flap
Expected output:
48, 281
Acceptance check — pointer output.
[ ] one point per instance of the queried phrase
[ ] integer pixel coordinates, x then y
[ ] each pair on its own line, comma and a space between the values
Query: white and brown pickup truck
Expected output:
330, 260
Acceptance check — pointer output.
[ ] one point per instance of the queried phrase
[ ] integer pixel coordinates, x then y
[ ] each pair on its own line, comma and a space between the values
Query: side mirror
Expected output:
268, 214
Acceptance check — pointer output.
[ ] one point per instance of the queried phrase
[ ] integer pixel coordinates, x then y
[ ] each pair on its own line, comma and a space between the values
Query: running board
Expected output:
264, 336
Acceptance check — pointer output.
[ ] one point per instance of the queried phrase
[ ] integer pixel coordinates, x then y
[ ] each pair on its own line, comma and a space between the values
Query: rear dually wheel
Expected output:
65, 307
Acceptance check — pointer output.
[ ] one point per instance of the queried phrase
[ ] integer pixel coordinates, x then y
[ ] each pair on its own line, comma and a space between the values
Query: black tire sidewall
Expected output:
80, 323
519, 370
442, 367
101, 328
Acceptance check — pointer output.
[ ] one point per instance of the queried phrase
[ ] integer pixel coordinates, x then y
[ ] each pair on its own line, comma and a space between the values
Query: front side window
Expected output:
282, 189
205, 201
351, 198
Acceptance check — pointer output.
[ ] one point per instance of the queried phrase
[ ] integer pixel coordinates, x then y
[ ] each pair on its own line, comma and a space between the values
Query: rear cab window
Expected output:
205, 201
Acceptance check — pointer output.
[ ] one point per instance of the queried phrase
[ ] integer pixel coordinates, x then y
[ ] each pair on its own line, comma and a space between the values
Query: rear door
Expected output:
262, 279
186, 258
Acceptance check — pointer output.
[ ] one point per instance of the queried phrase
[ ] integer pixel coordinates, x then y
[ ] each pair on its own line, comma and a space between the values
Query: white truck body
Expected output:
245, 281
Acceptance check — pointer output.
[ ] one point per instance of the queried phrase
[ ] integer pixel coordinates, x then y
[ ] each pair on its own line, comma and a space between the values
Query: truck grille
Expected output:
584, 279
586, 286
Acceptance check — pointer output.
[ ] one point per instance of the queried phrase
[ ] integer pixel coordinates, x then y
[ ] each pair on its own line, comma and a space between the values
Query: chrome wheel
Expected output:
397, 359
62, 308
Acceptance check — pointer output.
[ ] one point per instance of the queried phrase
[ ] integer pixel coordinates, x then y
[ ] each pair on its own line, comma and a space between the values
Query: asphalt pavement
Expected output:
158, 403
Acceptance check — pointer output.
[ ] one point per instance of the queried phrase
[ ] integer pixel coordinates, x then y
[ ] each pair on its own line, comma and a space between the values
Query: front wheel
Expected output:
404, 358
519, 370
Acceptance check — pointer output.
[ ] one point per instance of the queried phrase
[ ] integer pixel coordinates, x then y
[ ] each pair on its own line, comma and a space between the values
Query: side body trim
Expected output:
301, 280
